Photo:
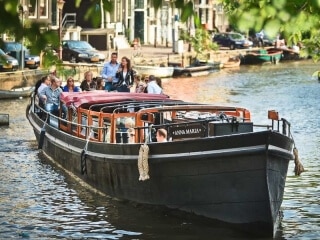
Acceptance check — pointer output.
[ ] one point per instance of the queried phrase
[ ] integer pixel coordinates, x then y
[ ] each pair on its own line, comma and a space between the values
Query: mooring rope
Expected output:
143, 165
42, 133
83, 156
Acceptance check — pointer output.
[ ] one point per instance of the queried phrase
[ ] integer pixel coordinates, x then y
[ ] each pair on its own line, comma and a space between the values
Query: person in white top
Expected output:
153, 86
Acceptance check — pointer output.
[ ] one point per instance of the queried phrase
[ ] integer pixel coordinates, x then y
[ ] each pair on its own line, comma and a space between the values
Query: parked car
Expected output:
14, 49
80, 51
8, 63
232, 40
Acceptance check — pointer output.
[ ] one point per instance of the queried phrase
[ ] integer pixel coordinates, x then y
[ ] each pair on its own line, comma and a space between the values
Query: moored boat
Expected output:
271, 55
16, 93
158, 71
216, 163
196, 70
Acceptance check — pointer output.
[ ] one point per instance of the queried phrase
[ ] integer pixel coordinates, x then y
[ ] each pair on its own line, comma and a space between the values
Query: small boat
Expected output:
158, 71
216, 163
197, 69
290, 54
232, 62
262, 56
16, 93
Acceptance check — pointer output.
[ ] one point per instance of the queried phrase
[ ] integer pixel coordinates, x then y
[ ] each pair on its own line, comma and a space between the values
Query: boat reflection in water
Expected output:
218, 164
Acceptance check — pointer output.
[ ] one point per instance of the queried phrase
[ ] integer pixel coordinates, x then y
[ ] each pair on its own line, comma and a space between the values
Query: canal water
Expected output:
39, 201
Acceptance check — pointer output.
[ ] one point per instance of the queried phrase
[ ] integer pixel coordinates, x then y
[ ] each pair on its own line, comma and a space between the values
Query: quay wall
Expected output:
147, 55
20, 79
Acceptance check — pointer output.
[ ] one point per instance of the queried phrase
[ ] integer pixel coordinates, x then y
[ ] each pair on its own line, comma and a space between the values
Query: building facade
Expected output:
130, 19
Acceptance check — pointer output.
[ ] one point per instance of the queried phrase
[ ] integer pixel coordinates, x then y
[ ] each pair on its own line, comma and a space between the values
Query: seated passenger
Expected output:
161, 135
88, 84
131, 135
70, 87
50, 95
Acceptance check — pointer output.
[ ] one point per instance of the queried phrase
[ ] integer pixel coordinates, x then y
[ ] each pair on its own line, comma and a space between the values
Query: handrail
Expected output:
66, 22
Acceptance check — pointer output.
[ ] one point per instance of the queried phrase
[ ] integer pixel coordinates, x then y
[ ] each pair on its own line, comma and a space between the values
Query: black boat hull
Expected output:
236, 179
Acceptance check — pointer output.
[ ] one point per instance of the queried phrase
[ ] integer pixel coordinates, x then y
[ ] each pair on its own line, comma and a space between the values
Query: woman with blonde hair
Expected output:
88, 84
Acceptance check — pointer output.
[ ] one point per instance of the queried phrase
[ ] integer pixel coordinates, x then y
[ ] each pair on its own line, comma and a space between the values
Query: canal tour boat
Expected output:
216, 162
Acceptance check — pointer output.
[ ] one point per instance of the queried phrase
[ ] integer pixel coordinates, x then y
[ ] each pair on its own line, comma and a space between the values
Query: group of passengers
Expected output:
115, 76
121, 77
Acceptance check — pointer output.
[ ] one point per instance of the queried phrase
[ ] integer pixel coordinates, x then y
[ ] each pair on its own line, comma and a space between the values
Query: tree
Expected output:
296, 20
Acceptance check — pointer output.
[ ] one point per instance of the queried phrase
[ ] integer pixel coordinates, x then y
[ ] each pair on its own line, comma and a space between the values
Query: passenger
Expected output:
125, 74
161, 135
145, 79
88, 84
139, 84
153, 86
50, 95
45, 82
131, 135
109, 71
70, 87
100, 83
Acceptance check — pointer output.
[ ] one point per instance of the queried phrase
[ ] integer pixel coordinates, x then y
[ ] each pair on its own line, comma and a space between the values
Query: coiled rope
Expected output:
298, 168
143, 165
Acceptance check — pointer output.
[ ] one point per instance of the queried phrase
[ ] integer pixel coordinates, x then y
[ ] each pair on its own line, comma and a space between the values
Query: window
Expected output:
32, 9
43, 8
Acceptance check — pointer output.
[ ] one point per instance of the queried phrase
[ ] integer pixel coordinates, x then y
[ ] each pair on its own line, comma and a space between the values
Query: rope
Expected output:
298, 168
143, 165
83, 156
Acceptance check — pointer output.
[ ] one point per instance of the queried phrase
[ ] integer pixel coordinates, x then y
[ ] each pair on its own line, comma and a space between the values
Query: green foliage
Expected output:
297, 20
201, 42
64, 73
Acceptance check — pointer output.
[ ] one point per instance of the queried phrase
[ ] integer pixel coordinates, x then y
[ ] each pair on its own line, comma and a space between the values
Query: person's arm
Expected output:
43, 95
131, 78
104, 71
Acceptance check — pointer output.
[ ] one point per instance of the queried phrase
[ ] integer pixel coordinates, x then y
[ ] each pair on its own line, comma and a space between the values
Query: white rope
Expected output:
143, 165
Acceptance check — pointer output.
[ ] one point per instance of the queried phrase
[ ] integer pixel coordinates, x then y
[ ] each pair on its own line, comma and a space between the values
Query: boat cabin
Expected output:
134, 117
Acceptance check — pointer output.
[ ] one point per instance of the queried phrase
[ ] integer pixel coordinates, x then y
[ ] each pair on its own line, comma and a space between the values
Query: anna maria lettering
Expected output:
186, 131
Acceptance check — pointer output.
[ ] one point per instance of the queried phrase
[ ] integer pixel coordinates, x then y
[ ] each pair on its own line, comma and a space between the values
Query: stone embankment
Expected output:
20, 79
164, 55
147, 55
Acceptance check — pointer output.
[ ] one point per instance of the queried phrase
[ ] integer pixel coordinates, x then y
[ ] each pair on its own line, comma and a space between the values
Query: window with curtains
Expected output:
43, 8
38, 9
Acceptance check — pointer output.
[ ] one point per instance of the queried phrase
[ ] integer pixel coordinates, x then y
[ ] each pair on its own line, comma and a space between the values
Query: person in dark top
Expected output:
88, 84
125, 74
